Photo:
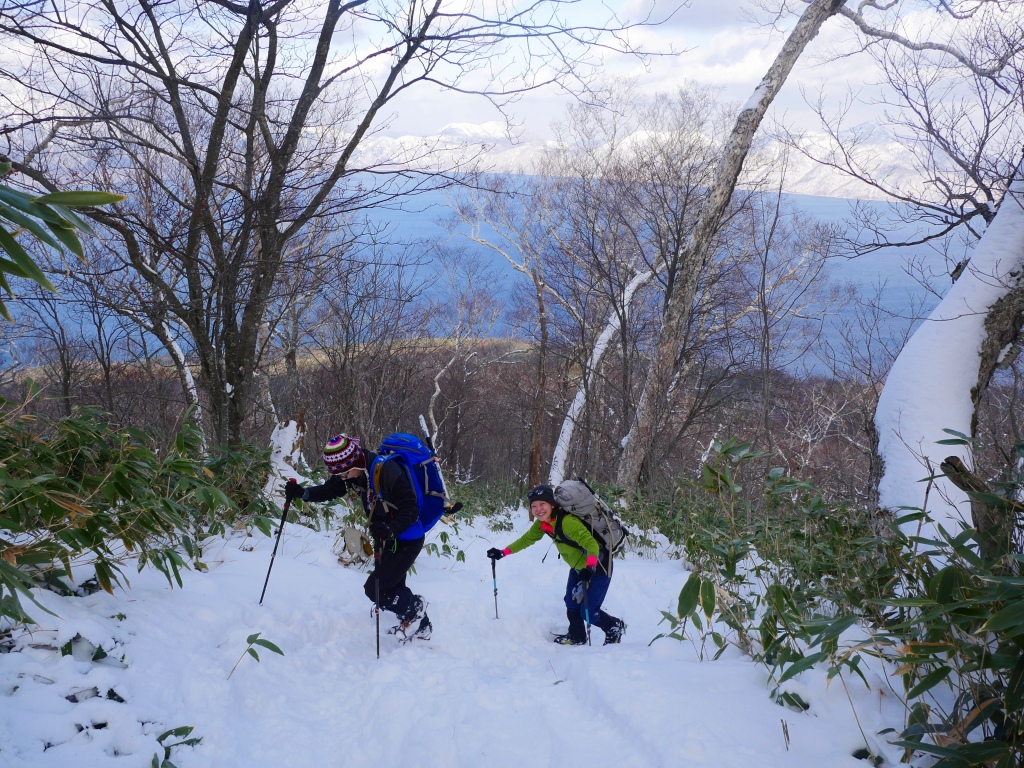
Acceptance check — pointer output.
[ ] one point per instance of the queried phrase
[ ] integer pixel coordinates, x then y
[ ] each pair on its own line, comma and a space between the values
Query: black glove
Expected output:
380, 530
586, 574
292, 491
495, 554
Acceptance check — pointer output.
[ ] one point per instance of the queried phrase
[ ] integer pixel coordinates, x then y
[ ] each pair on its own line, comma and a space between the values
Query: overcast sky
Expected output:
726, 44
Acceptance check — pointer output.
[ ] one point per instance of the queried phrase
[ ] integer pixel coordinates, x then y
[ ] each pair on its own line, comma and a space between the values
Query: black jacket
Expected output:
401, 511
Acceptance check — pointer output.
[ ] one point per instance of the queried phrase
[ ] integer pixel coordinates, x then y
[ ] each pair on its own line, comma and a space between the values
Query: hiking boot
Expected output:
614, 632
415, 623
406, 633
417, 610
567, 639
423, 631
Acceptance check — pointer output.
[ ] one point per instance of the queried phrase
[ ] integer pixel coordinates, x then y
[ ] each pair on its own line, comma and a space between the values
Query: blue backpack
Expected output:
420, 464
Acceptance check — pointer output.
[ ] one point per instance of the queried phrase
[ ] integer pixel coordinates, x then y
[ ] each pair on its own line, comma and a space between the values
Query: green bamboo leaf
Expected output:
73, 219
80, 198
20, 257
1015, 687
66, 234
835, 628
961, 435
802, 665
19, 219
1009, 618
15, 198
944, 583
268, 645
688, 596
929, 681
103, 577
980, 752
707, 598
670, 618
8, 267
252, 653
179, 732
28, 204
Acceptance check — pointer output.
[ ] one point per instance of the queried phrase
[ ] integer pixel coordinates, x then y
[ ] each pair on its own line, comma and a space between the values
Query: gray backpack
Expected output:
576, 498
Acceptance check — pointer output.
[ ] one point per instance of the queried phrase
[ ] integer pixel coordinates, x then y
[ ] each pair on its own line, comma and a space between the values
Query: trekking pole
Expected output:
376, 587
494, 575
586, 611
287, 506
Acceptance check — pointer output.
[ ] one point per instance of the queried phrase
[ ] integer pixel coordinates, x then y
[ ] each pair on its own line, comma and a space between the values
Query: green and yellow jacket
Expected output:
584, 552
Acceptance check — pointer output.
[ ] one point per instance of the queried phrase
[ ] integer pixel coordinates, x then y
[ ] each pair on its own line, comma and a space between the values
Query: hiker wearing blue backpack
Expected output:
590, 567
392, 503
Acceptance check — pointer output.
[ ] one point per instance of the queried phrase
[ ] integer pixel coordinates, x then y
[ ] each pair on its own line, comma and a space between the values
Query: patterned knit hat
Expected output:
342, 454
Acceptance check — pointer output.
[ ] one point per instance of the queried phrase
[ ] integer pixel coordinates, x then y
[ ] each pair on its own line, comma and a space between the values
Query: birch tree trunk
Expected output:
939, 377
601, 346
653, 403
540, 398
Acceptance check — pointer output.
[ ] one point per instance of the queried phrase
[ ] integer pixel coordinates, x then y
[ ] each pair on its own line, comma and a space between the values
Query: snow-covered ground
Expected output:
482, 692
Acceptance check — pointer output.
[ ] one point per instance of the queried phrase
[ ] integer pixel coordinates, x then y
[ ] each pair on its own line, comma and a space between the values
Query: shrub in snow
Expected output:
82, 497
808, 586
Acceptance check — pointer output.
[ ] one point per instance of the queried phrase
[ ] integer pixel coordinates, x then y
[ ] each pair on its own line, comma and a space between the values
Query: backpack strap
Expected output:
603, 554
427, 489
375, 475
560, 536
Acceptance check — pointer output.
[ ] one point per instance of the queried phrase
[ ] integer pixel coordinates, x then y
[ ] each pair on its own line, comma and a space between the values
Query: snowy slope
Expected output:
481, 692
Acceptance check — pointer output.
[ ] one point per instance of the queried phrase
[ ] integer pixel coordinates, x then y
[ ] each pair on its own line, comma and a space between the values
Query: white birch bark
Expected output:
695, 254
601, 346
187, 379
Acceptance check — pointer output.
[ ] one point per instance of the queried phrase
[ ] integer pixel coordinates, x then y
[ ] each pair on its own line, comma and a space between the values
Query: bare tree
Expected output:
362, 343
59, 349
463, 311
784, 270
876, 23
955, 108
598, 232
697, 250
956, 122
232, 126
939, 378
509, 216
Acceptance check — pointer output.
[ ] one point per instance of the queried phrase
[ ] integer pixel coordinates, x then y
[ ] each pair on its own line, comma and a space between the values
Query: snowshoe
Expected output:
416, 626
405, 633
567, 639
423, 631
615, 632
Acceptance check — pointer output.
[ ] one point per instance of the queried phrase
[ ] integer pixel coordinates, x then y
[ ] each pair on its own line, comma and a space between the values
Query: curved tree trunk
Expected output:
697, 251
560, 457
938, 379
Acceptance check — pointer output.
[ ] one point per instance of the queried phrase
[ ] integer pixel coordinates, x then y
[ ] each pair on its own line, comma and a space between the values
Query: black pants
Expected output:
397, 556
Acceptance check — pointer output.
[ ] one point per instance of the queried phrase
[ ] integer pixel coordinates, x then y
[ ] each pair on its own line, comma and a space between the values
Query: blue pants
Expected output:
595, 596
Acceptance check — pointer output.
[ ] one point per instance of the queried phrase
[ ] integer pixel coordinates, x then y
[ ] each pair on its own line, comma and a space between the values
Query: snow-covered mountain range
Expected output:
499, 152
